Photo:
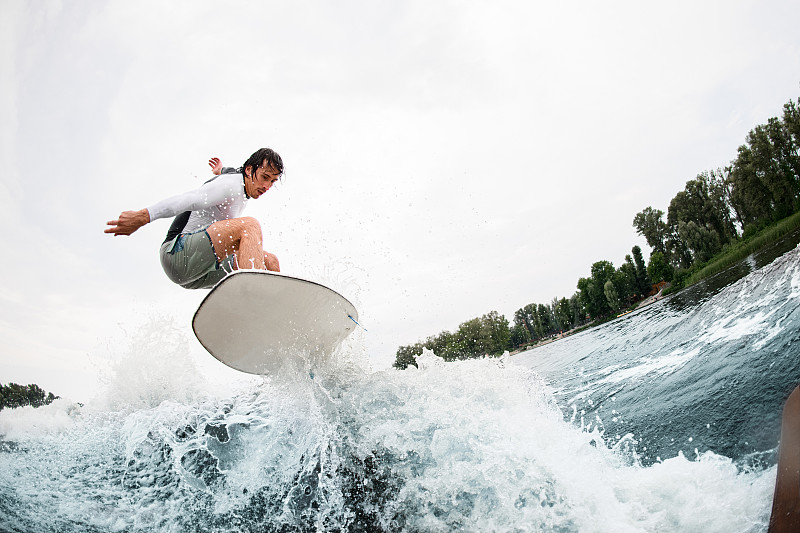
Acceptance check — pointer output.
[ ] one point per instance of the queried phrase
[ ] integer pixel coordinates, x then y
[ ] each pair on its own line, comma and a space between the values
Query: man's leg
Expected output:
786, 499
242, 237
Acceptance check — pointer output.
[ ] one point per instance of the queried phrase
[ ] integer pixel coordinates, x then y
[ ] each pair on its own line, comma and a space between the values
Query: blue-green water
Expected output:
664, 420
707, 369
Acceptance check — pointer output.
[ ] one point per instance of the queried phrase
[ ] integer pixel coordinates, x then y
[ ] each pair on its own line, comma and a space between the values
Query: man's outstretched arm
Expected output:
128, 222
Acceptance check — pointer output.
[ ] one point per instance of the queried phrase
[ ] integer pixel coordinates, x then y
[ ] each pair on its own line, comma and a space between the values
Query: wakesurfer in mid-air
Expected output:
209, 238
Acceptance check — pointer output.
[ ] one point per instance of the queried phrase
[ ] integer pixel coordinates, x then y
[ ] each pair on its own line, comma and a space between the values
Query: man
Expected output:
202, 247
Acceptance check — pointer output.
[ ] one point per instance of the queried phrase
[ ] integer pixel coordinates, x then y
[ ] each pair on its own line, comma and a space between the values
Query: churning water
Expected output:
664, 420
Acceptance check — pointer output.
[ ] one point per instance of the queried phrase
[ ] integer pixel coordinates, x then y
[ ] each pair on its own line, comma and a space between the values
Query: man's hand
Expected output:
128, 222
216, 165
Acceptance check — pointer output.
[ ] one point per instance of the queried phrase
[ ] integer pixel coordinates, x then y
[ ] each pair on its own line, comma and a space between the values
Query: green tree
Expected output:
563, 314
520, 335
611, 295
704, 241
407, 355
14, 395
543, 322
678, 252
716, 204
650, 225
659, 269
749, 196
577, 311
624, 279
592, 289
771, 167
764, 180
499, 333
471, 340
487, 335
700, 218
791, 120
440, 344
526, 317
586, 290
642, 279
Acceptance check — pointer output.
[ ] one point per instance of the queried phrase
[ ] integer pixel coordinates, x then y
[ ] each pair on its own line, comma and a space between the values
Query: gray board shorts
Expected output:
189, 260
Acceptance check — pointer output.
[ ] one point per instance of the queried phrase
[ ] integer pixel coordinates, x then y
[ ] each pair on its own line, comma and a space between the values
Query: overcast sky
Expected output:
443, 158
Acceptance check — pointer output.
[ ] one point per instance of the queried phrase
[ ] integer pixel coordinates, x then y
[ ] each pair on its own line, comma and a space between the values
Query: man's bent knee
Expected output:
229, 236
237, 227
271, 262
246, 226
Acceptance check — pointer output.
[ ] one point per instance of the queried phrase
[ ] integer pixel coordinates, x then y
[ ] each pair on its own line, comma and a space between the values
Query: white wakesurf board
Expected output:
253, 320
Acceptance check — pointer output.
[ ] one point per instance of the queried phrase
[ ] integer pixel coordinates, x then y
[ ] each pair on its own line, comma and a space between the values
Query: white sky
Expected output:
443, 159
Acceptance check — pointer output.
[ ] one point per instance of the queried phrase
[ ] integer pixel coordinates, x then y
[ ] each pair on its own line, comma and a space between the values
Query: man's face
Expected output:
261, 180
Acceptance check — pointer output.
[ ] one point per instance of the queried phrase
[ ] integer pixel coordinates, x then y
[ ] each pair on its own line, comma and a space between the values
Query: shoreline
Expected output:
769, 237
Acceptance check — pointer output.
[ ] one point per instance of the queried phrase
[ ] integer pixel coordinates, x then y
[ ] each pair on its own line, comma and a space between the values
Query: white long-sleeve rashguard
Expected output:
222, 198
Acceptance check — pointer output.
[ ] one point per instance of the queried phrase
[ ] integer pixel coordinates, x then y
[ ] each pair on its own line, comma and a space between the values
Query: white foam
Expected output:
794, 272
152, 364
731, 327
477, 445
652, 365
509, 449
23, 423
708, 494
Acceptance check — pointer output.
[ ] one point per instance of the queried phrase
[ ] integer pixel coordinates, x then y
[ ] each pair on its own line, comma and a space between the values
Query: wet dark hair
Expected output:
268, 156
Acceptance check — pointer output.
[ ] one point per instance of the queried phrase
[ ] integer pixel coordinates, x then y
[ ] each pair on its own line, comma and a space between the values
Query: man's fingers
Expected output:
117, 231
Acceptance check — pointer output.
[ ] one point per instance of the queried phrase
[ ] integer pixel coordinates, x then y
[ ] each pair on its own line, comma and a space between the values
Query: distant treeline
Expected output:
718, 208
13, 395
715, 211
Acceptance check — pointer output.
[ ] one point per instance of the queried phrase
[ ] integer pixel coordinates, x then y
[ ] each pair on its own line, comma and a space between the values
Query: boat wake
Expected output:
475, 445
